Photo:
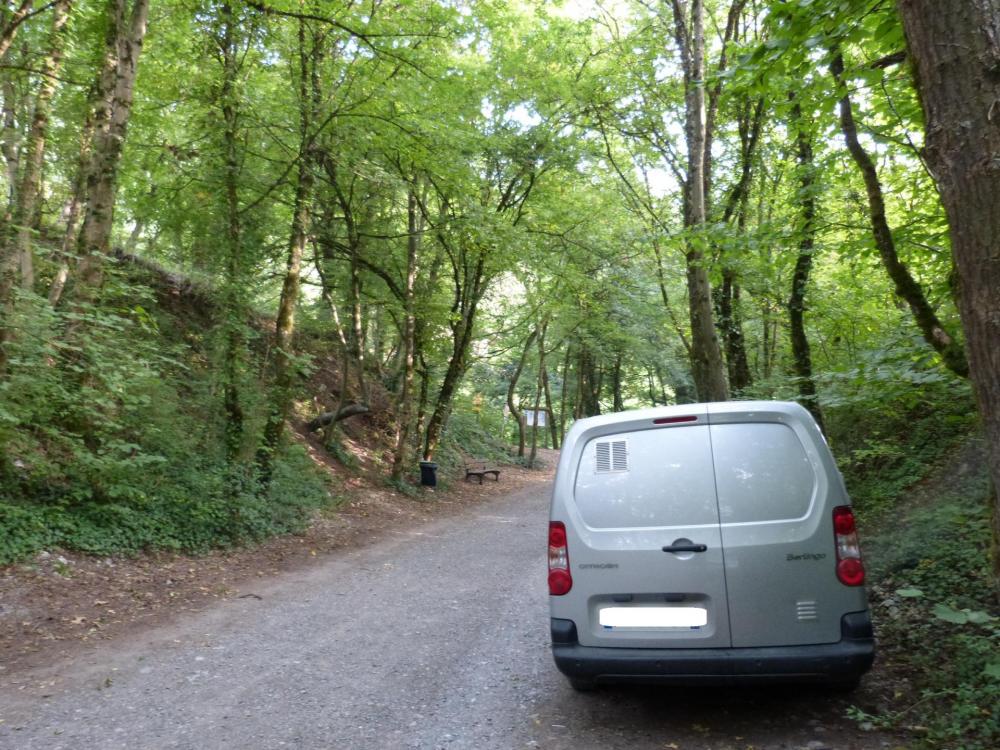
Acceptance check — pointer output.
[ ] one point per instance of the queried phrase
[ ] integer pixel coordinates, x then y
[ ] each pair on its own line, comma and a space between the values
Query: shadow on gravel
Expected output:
808, 717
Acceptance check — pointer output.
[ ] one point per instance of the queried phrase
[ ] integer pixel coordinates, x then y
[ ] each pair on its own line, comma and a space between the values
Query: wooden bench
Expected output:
479, 469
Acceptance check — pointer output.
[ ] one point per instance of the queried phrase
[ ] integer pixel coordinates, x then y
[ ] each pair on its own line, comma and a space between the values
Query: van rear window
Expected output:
762, 472
664, 479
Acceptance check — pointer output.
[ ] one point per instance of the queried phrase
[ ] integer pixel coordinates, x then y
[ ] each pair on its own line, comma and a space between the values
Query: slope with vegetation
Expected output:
933, 604
412, 223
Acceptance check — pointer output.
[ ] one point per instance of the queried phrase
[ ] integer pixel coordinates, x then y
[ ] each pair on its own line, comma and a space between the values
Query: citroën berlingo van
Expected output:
705, 543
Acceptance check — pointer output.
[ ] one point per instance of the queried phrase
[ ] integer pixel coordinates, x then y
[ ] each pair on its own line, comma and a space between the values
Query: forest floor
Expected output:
60, 602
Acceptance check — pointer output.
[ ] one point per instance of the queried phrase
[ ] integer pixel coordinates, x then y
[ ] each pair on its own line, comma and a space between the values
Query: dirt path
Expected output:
59, 604
435, 636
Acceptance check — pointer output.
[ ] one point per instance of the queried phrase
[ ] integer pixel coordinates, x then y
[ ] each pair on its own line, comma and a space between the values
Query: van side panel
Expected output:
777, 487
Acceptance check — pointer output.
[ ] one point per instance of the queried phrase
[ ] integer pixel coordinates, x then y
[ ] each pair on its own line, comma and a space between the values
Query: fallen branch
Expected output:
327, 418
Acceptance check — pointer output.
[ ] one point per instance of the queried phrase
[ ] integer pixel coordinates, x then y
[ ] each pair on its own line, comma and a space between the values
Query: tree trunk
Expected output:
727, 298
803, 265
955, 49
707, 368
733, 17
10, 143
663, 388
332, 417
9, 265
10, 24
661, 279
951, 351
547, 391
453, 376
588, 387
233, 325
425, 395
284, 327
404, 411
534, 427
16, 254
111, 123
72, 212
356, 357
765, 347
749, 122
616, 384
18, 242
543, 390
357, 337
564, 392
512, 390
469, 273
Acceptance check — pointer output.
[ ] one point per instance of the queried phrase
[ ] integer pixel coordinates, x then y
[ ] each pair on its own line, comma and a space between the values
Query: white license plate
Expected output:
653, 617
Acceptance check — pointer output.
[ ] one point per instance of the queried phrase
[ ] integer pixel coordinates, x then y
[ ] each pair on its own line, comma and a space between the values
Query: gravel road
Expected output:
432, 638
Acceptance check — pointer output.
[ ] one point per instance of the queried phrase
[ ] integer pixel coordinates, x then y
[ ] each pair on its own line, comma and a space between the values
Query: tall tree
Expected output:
17, 242
707, 367
309, 96
510, 172
750, 122
405, 403
955, 49
801, 355
907, 287
16, 255
11, 20
228, 43
126, 31
512, 403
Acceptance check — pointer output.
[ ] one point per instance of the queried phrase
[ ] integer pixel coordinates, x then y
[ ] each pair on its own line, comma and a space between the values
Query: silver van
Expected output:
705, 543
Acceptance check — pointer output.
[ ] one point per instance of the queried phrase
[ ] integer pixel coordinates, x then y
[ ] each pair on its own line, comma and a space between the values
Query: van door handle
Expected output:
685, 548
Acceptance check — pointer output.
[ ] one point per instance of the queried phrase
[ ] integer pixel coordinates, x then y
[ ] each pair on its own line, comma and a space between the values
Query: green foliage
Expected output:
192, 513
474, 433
884, 449
936, 617
107, 448
336, 449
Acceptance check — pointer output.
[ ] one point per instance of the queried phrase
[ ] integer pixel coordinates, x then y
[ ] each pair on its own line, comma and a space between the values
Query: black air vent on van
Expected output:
612, 455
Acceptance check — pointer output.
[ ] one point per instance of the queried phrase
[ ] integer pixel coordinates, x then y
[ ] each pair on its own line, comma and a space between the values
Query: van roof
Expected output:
773, 409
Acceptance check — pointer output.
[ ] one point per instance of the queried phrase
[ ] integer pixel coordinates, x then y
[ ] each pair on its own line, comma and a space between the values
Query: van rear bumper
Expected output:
834, 663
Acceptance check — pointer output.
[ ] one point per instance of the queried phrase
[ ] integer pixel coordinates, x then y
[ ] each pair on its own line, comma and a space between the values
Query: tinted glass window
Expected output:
664, 478
762, 471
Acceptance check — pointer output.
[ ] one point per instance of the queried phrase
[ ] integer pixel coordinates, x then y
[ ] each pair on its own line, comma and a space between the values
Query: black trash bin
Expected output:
428, 474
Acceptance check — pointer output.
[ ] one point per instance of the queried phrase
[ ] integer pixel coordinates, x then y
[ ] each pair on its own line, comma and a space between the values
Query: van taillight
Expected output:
676, 420
850, 569
560, 580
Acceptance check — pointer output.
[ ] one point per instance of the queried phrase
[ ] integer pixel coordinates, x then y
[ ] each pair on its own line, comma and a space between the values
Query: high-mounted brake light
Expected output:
676, 420
560, 580
850, 569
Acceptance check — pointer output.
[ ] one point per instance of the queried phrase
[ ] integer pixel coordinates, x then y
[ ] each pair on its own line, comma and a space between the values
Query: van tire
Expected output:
582, 684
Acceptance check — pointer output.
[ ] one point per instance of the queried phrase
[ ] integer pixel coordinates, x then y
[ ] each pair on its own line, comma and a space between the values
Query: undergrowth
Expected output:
935, 612
192, 512
900, 429
110, 436
886, 441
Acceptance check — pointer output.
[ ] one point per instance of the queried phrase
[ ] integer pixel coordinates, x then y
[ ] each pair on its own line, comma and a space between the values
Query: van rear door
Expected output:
772, 471
637, 491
